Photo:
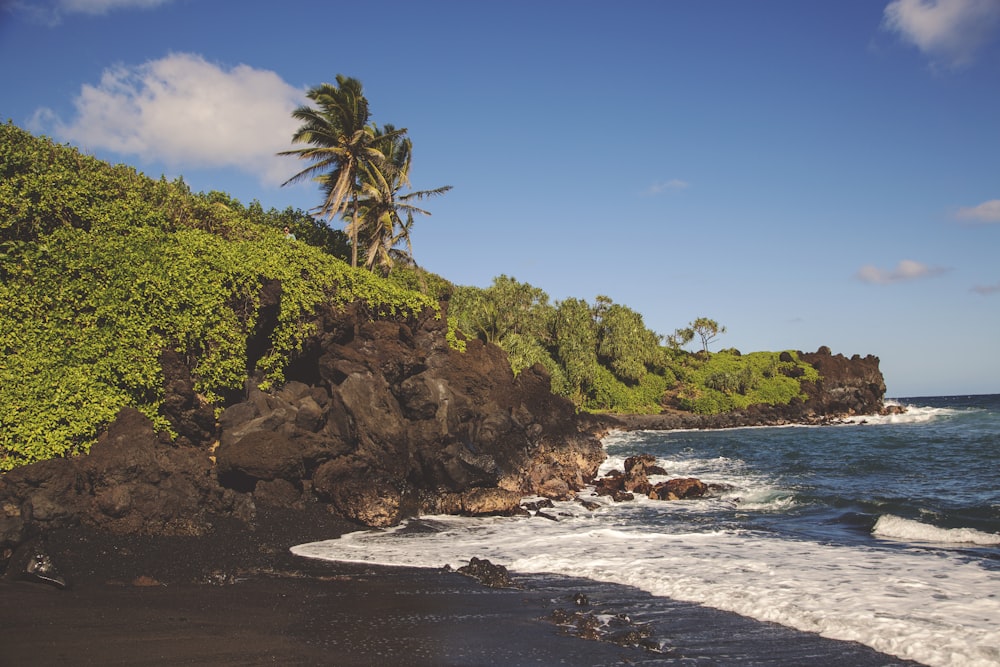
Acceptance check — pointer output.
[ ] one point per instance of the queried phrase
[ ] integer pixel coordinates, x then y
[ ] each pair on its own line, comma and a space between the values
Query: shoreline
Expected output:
242, 598
344, 614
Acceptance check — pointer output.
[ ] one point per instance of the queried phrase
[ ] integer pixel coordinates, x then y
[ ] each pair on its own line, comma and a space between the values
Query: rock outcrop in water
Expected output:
379, 420
623, 486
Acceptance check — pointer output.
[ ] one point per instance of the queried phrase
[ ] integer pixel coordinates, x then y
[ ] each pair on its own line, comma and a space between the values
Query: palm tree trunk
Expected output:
354, 232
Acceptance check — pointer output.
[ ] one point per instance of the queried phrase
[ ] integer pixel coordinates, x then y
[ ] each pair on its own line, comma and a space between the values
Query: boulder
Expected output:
677, 489
494, 576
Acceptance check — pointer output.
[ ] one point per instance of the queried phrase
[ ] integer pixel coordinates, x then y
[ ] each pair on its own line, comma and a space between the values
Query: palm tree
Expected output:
342, 145
383, 216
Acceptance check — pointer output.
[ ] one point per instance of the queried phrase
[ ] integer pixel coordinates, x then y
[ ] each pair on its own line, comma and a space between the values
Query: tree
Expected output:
384, 216
574, 335
680, 337
623, 341
343, 144
506, 307
708, 330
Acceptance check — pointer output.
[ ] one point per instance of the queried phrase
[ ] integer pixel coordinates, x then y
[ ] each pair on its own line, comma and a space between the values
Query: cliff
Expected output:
379, 420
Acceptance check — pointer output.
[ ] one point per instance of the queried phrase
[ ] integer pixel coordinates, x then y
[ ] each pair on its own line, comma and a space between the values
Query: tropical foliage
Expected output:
103, 268
603, 357
728, 381
362, 169
384, 214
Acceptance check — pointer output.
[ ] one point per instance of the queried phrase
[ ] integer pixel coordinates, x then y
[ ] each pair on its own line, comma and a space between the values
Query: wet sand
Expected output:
238, 598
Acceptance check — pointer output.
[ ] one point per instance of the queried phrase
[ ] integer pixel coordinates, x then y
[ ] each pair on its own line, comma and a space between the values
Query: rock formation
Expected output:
379, 420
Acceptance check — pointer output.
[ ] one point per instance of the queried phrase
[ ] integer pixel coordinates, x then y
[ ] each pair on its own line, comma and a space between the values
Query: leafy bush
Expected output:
102, 275
728, 381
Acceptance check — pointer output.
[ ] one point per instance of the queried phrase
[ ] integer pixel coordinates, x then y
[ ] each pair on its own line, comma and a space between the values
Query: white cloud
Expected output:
674, 184
988, 211
905, 271
51, 12
949, 31
104, 6
986, 290
188, 113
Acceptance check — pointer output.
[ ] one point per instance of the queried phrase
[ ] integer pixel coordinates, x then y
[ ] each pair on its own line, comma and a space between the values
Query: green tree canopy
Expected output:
624, 342
707, 330
506, 307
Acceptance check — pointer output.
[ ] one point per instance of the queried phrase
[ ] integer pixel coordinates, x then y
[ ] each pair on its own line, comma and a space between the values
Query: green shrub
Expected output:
728, 381
102, 276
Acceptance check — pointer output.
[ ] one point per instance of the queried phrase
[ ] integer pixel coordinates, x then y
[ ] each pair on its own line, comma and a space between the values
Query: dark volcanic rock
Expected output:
494, 576
379, 420
676, 489
131, 482
390, 422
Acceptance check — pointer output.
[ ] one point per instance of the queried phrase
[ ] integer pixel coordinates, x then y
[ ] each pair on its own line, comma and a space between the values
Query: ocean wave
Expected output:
937, 611
914, 414
893, 527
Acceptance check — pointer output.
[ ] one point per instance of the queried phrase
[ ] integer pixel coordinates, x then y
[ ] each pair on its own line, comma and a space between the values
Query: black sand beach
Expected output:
223, 600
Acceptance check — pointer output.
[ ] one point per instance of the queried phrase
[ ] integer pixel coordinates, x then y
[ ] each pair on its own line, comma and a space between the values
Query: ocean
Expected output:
883, 530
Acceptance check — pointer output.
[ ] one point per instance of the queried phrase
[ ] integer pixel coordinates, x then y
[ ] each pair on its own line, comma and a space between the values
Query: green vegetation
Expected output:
358, 162
730, 381
604, 358
103, 268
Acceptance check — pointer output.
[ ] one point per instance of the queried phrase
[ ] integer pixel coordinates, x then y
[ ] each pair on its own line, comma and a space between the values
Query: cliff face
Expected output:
379, 420
382, 420
846, 387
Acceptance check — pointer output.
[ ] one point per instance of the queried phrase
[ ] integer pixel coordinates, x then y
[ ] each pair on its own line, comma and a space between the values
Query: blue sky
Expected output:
805, 173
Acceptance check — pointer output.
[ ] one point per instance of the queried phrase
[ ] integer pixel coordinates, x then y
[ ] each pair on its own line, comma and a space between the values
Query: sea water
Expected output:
882, 530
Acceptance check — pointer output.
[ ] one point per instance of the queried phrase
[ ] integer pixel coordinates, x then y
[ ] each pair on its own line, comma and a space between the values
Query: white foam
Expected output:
914, 414
918, 605
893, 527
740, 486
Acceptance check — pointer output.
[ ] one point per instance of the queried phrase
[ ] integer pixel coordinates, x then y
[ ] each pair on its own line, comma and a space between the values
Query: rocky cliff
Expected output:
379, 420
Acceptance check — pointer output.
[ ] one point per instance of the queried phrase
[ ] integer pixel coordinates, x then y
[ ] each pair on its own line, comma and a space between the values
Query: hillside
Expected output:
224, 378
106, 270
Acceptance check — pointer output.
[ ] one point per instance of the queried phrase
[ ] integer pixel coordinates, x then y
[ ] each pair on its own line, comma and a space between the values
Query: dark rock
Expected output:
639, 463
277, 493
622, 496
609, 485
131, 482
677, 489
494, 576
535, 505
189, 414
379, 420
32, 562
